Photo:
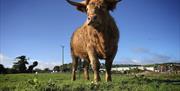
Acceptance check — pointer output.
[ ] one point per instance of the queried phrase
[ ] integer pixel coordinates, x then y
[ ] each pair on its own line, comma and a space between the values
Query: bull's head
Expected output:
95, 9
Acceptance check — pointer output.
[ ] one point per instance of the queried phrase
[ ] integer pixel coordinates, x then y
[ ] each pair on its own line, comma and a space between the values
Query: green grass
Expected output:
62, 82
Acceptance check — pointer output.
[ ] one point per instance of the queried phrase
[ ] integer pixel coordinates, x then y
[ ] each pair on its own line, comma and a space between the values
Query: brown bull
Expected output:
96, 39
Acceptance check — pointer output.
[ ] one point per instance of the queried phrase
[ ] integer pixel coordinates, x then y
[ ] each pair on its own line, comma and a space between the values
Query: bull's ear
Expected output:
81, 6
111, 4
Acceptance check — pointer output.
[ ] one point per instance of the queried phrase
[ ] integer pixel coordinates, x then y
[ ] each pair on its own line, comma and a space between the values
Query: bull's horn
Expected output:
83, 3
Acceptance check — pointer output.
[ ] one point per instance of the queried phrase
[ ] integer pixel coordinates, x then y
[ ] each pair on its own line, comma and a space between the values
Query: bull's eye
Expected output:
95, 17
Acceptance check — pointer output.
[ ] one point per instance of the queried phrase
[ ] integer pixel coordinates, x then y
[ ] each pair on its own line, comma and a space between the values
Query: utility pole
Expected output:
62, 46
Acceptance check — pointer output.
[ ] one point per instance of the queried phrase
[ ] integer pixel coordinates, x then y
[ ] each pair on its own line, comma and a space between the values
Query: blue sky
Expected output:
149, 31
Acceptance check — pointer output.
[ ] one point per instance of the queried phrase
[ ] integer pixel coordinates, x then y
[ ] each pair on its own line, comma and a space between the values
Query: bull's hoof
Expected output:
73, 79
94, 82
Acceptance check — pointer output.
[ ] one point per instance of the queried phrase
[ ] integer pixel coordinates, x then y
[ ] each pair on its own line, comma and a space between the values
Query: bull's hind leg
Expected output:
74, 67
86, 68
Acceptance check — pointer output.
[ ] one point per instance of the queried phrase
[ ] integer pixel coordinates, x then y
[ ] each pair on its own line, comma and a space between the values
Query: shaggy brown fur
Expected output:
96, 39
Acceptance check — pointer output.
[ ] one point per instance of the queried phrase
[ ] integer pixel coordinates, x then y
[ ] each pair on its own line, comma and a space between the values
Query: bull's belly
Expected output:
80, 53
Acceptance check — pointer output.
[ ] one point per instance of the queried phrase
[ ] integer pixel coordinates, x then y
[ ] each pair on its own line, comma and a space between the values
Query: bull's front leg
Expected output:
96, 66
94, 63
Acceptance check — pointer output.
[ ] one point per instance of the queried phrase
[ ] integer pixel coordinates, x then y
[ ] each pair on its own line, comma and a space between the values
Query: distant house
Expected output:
141, 67
163, 68
174, 68
150, 68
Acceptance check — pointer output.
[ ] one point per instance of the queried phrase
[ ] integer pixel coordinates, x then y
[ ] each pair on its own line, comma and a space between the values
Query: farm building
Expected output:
122, 69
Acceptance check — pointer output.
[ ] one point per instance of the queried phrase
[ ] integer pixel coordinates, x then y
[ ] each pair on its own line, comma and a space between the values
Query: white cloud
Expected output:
6, 61
151, 59
129, 61
136, 61
43, 64
47, 64
140, 50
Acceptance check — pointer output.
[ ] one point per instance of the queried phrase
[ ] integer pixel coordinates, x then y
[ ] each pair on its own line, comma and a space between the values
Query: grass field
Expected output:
62, 82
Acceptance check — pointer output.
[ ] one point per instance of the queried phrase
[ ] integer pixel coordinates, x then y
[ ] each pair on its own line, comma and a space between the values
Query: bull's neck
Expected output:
106, 18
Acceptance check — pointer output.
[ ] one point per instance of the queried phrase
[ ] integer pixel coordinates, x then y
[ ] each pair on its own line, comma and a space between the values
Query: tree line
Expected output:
20, 66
